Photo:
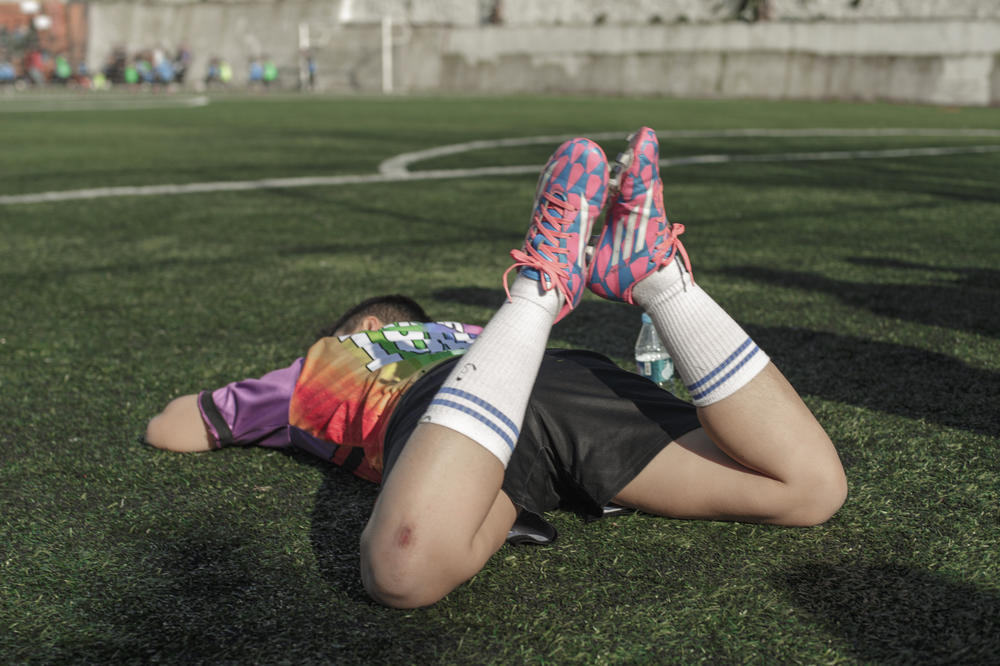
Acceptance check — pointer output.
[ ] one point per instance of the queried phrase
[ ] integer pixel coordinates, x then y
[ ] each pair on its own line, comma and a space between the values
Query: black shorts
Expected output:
590, 428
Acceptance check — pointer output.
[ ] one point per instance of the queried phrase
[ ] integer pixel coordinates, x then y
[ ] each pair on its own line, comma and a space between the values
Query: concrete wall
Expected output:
946, 62
621, 12
633, 12
933, 51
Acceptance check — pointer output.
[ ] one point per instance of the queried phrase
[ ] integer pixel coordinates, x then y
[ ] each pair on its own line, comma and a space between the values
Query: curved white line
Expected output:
831, 155
397, 171
401, 163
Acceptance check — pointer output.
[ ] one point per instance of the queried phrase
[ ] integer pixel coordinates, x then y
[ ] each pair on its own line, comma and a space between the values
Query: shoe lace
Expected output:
556, 269
669, 243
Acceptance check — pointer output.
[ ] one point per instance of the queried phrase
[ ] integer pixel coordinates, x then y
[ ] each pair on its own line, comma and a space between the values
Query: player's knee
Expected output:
399, 572
834, 494
820, 497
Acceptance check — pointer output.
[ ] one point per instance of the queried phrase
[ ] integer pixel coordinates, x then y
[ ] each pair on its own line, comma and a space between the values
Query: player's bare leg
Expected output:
441, 513
761, 455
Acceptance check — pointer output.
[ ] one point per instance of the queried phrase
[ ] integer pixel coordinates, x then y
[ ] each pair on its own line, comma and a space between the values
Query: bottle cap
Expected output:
646, 319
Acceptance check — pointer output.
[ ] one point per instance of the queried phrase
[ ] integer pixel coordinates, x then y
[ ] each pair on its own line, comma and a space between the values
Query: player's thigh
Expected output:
440, 503
692, 478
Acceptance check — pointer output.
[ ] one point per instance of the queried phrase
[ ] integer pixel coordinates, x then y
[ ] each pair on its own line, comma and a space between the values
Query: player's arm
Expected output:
179, 427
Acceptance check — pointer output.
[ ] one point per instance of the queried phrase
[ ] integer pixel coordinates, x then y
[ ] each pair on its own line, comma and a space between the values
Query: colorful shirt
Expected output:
336, 402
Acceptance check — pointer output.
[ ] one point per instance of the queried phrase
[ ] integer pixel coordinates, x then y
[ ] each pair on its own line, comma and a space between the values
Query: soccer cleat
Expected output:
569, 197
637, 239
530, 529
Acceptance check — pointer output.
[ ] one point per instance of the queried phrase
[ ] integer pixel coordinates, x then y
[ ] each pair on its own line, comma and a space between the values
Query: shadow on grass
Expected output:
194, 597
343, 504
985, 278
350, 247
216, 592
900, 380
967, 304
889, 613
961, 178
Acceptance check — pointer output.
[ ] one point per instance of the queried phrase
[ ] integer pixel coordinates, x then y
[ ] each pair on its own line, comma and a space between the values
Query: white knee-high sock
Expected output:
486, 394
713, 355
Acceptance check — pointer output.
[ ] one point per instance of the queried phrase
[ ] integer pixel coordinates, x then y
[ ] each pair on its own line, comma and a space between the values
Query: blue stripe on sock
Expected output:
485, 405
722, 366
479, 416
702, 394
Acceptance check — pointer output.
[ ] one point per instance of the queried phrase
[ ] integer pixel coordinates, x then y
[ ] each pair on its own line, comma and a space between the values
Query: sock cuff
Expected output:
731, 374
661, 285
475, 418
531, 291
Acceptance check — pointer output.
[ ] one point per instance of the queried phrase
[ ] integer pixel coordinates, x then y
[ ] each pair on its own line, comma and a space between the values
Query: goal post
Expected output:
387, 68
347, 51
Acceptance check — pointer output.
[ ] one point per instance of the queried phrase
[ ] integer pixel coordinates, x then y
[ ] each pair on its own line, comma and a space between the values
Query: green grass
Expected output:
873, 284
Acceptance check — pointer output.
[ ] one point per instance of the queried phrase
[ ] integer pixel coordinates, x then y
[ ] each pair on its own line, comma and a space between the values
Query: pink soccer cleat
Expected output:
637, 239
569, 197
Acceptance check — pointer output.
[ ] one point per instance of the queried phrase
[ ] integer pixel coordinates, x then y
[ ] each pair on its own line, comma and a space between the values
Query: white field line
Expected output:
831, 155
396, 169
80, 103
400, 163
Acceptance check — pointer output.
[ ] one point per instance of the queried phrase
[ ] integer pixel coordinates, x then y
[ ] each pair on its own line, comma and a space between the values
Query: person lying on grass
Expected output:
466, 427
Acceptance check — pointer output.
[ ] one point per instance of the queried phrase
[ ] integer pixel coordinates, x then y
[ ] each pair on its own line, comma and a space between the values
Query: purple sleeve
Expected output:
252, 411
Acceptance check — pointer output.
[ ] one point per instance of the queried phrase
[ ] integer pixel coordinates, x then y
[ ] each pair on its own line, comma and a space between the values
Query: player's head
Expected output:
376, 312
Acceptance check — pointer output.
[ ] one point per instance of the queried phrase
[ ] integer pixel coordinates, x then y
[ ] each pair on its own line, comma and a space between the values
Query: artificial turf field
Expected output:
873, 282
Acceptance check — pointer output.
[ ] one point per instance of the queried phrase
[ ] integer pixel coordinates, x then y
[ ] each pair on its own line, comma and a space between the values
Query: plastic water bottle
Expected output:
651, 357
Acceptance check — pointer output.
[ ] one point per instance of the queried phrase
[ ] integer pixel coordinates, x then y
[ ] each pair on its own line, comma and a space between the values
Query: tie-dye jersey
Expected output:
349, 385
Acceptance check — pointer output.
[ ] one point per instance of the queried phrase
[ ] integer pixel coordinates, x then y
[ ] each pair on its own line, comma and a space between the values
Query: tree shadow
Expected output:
957, 178
210, 593
983, 278
341, 510
886, 377
967, 304
202, 599
906, 381
892, 613
350, 246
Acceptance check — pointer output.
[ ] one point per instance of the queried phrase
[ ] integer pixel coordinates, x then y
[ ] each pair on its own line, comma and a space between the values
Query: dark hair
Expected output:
389, 309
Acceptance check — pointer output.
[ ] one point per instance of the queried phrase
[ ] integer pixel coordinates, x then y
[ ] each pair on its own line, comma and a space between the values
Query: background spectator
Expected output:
256, 73
270, 72
62, 72
182, 60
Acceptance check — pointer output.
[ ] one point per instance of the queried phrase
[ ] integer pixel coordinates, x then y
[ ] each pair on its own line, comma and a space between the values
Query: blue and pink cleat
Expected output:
569, 198
637, 239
